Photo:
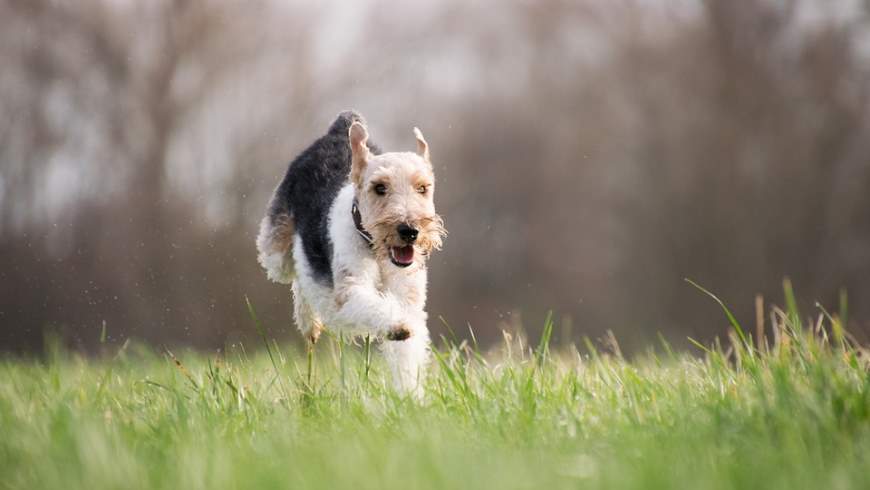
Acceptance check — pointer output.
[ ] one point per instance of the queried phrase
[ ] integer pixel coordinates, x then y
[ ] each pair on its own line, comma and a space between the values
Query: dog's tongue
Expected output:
404, 255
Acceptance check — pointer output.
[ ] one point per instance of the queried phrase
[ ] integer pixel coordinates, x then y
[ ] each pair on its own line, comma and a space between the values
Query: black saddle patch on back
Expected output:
309, 188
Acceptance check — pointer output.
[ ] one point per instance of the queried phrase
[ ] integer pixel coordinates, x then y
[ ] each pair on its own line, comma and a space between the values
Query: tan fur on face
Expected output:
404, 174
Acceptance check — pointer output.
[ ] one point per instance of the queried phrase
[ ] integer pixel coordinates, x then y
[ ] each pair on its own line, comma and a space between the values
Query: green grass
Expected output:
792, 413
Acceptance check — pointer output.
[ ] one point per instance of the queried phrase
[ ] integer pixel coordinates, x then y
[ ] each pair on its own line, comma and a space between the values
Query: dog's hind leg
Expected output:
307, 321
275, 239
309, 325
274, 243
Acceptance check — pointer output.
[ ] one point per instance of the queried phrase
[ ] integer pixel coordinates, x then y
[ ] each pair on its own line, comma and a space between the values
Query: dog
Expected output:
360, 225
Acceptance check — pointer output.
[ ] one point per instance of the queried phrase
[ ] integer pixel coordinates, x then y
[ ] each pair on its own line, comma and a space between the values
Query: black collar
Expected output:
357, 222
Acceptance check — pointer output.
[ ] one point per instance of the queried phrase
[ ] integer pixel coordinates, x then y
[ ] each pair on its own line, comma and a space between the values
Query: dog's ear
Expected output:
422, 146
360, 152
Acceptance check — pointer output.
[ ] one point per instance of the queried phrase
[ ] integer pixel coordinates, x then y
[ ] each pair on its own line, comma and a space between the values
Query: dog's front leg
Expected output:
407, 359
379, 312
406, 350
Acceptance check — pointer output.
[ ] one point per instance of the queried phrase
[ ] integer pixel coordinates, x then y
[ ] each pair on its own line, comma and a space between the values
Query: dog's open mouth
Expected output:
402, 256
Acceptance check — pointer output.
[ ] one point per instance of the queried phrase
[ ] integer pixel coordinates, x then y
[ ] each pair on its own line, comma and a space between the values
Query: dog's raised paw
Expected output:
399, 333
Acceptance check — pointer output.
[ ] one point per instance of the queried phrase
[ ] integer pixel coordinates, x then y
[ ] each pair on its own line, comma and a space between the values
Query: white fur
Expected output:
407, 360
368, 296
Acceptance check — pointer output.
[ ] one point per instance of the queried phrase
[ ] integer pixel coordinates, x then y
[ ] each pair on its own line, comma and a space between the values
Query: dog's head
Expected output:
394, 193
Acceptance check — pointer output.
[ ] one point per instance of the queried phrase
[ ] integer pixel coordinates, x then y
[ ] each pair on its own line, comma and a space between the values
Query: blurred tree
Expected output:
590, 156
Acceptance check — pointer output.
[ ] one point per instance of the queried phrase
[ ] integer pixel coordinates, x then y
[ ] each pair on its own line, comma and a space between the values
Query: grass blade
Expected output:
731, 318
543, 349
262, 333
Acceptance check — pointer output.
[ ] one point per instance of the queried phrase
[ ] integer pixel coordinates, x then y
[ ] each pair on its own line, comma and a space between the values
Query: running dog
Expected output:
360, 225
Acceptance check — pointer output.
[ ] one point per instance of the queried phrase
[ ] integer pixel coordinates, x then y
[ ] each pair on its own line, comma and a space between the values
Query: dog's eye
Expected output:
422, 189
380, 189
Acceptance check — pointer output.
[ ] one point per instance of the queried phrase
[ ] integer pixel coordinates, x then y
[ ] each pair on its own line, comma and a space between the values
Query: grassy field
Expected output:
790, 412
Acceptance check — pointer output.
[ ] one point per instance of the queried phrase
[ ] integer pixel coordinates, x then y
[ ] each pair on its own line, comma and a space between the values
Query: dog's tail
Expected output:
275, 239
342, 123
341, 126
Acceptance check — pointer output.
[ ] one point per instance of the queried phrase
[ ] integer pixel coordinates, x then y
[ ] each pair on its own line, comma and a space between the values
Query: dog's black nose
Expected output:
407, 233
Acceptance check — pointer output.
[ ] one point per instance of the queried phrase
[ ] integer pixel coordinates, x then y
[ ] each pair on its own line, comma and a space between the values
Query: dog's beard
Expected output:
389, 246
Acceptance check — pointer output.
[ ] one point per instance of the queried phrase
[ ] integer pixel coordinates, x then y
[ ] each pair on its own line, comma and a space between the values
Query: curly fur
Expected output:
341, 281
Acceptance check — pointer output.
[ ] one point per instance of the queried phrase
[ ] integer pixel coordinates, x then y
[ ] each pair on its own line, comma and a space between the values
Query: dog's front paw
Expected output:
400, 332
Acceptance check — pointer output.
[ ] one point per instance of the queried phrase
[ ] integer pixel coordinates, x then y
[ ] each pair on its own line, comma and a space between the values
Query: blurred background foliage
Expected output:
590, 155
